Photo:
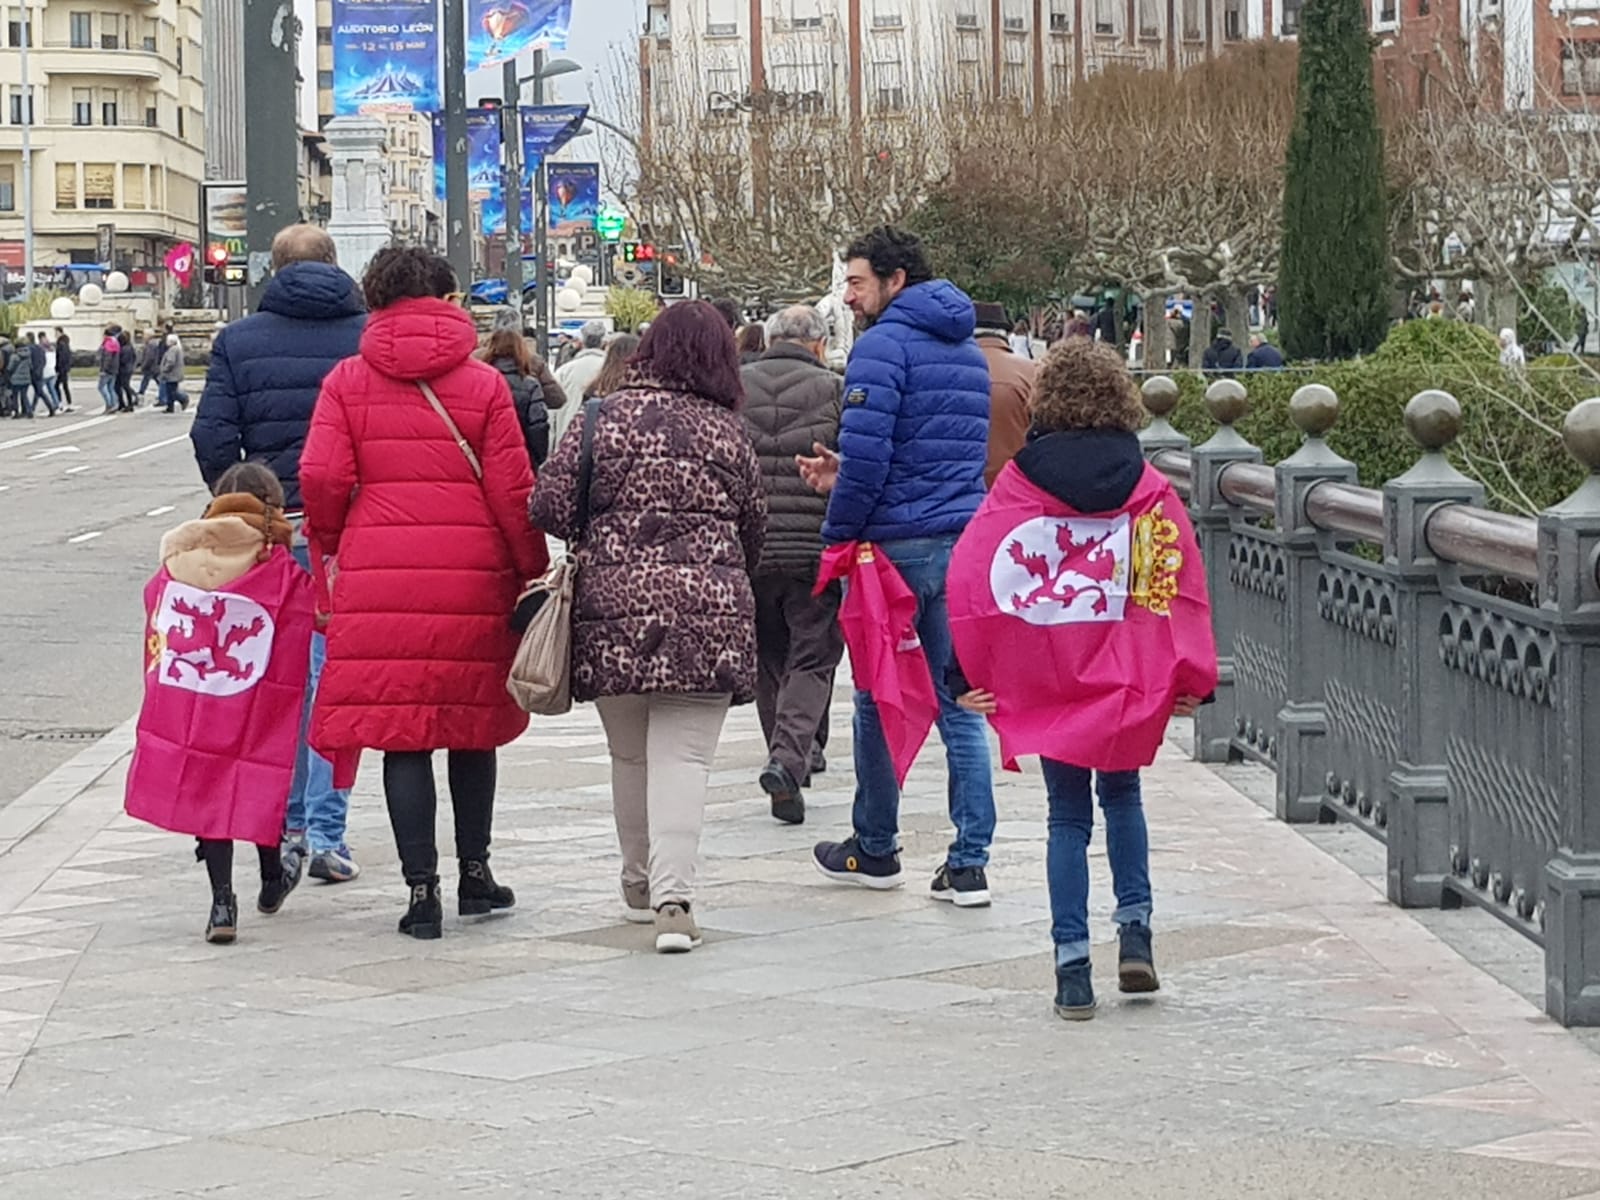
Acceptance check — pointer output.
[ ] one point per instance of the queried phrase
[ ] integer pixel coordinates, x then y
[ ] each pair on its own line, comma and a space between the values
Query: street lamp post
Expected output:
457, 212
27, 157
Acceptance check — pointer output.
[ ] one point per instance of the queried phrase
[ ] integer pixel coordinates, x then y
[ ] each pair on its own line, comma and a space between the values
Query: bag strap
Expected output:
455, 432
591, 416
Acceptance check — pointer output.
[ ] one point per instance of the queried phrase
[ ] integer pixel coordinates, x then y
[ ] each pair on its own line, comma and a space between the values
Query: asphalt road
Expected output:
85, 500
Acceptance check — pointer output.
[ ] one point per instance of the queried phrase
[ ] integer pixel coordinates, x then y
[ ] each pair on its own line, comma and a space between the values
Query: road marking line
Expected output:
38, 454
162, 511
171, 441
85, 537
29, 439
75, 470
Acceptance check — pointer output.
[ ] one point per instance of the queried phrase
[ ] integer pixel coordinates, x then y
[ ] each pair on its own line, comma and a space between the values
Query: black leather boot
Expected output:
424, 920
479, 894
223, 924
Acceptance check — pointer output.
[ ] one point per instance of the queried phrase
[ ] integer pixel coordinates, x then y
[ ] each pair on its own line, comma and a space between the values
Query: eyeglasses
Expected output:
459, 299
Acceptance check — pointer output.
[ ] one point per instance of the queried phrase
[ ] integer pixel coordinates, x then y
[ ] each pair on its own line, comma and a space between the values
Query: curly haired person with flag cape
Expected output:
1081, 623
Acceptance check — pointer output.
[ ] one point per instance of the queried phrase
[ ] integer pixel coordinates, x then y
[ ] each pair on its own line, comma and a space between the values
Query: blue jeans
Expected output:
108, 390
1067, 856
315, 805
923, 564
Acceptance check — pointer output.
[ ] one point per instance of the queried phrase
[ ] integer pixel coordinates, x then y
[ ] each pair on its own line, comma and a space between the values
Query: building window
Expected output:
1388, 12
802, 86
110, 28
108, 110
1014, 15
805, 14
17, 106
152, 117
1194, 26
1580, 68
966, 14
886, 14
66, 185
179, 44
888, 86
1233, 20
1291, 17
99, 185
1108, 16
16, 31
180, 124
1150, 18
968, 48
152, 34
82, 106
1014, 78
324, 35
722, 91
133, 185
82, 25
722, 18
8, 189
1061, 16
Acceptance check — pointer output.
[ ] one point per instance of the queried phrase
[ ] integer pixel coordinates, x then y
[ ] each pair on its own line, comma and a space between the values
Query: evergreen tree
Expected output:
1334, 278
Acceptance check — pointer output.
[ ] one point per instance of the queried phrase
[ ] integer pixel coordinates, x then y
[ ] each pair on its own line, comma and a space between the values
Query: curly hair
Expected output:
888, 250
404, 273
1085, 385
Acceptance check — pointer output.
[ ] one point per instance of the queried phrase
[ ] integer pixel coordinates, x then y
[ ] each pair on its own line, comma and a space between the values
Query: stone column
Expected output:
360, 223
1569, 550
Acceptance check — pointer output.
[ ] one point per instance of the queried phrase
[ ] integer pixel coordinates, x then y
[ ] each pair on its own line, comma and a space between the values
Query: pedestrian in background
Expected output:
1263, 356
150, 362
792, 404
752, 342
127, 359
1021, 340
64, 369
416, 481
508, 352
1010, 389
213, 756
576, 375
620, 349
261, 386
39, 366
664, 636
170, 375
110, 358
19, 374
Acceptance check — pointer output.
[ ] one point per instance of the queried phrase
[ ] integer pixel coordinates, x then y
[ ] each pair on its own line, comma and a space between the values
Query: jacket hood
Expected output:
418, 339
312, 291
788, 350
937, 307
211, 552
1090, 470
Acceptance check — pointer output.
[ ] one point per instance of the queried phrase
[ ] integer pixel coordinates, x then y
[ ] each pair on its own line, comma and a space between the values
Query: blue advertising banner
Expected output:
574, 196
502, 29
439, 163
385, 56
484, 182
548, 128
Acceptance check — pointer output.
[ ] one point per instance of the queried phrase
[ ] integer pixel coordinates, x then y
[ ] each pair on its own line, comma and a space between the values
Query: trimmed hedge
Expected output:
1371, 430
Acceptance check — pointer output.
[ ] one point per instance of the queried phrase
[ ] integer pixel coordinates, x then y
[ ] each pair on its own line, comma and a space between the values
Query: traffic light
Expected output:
490, 104
647, 252
216, 262
630, 252
669, 275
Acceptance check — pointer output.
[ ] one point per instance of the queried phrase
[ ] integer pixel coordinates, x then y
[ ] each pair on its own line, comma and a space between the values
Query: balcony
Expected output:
61, 58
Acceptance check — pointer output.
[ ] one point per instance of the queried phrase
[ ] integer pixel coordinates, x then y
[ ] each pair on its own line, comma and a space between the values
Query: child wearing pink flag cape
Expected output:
1081, 624
228, 637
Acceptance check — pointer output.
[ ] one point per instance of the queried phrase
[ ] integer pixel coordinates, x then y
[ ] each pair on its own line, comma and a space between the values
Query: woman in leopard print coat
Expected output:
664, 618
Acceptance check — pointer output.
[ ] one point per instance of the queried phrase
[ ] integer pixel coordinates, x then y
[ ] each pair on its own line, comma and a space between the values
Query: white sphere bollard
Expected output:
62, 308
569, 300
116, 283
89, 295
582, 275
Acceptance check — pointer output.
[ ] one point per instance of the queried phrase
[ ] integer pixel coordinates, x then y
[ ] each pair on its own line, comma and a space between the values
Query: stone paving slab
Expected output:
1310, 1040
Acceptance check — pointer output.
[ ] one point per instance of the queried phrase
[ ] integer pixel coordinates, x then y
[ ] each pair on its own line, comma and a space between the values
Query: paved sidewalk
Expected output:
1310, 1041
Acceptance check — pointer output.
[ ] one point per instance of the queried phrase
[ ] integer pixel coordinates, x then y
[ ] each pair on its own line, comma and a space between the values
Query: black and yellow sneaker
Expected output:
846, 862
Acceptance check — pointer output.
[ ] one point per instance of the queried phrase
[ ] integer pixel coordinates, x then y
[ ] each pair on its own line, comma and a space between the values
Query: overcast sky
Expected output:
597, 27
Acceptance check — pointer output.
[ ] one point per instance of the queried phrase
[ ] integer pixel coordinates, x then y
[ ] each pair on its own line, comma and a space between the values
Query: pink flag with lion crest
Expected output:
224, 686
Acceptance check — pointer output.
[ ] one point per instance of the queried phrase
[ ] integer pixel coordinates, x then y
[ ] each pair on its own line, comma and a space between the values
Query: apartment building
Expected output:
413, 210
712, 59
115, 104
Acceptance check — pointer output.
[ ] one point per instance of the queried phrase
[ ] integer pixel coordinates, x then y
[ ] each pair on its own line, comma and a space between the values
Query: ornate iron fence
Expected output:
1412, 663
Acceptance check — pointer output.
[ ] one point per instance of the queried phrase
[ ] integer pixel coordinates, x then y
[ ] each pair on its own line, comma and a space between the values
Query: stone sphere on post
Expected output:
1433, 419
62, 308
1226, 401
116, 283
1581, 433
90, 295
1160, 396
1314, 408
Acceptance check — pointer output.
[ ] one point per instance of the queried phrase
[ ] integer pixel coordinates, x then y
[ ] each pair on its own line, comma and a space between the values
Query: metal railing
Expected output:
1366, 658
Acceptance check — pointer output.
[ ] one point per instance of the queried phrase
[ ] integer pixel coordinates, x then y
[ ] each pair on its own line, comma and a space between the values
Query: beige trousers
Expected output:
661, 752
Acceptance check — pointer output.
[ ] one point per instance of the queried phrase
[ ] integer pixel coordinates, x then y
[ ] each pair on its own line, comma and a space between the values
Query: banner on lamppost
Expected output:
440, 160
548, 127
574, 196
485, 186
385, 56
502, 29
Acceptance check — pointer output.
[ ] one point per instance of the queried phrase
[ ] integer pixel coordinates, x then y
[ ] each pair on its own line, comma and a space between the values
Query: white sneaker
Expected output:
676, 932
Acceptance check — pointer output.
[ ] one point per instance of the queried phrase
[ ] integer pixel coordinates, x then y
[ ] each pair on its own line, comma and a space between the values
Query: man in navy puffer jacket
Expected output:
265, 374
913, 442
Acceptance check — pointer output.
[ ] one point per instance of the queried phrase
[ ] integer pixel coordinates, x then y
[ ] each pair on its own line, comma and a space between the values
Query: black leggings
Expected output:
413, 800
218, 858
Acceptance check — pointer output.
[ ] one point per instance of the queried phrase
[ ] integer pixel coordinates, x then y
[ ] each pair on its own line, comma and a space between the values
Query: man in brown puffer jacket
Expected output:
792, 402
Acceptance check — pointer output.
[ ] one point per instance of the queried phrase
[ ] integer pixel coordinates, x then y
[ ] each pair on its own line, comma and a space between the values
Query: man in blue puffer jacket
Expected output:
913, 441
265, 374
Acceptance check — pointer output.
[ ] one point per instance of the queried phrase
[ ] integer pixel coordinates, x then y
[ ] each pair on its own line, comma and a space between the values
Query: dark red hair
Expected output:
690, 348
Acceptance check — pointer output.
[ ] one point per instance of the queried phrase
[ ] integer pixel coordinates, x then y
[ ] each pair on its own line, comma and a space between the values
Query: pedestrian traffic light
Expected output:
490, 104
669, 275
216, 262
647, 252
630, 252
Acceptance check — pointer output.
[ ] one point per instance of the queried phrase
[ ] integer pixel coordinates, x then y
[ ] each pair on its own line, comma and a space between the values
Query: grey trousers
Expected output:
798, 648
662, 747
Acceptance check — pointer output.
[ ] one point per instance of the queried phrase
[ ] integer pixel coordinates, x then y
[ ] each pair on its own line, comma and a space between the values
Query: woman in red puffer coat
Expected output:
428, 545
